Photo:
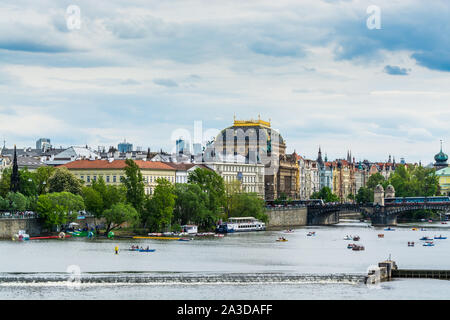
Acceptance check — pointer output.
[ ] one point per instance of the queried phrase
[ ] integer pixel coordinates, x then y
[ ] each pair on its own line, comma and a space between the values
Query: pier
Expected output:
388, 270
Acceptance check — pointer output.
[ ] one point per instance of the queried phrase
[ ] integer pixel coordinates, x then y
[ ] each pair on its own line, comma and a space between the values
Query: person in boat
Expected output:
148, 248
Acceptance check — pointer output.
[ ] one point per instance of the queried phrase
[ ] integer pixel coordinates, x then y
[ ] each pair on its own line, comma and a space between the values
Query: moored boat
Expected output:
241, 224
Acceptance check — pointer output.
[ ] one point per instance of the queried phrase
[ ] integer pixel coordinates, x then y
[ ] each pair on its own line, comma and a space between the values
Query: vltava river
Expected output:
323, 266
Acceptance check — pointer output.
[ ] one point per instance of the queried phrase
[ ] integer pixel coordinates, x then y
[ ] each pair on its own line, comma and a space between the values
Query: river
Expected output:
237, 266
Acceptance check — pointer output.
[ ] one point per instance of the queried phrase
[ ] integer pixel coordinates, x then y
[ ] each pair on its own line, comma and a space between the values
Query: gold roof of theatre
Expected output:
252, 123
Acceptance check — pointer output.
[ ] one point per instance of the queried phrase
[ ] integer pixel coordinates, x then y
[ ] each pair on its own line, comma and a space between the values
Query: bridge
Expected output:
378, 215
382, 212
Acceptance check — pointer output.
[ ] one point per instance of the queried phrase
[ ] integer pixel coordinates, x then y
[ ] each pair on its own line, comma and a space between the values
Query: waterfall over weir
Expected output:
176, 278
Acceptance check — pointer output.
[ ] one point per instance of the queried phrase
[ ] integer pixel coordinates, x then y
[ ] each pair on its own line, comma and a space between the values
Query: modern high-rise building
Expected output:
43, 143
124, 147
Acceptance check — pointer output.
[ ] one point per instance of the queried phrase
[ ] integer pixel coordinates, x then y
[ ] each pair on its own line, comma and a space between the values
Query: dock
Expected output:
388, 270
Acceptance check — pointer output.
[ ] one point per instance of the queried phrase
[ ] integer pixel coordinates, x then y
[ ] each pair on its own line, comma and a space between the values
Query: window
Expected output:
114, 179
107, 178
88, 178
94, 178
82, 177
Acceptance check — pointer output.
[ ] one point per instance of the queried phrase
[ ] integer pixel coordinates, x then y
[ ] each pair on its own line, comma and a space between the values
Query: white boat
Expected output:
241, 224
189, 228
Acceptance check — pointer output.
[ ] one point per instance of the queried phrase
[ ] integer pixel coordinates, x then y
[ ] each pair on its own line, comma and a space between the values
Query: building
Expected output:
43, 144
440, 160
182, 147
325, 172
72, 154
258, 143
251, 175
113, 171
343, 179
125, 147
182, 170
444, 180
197, 148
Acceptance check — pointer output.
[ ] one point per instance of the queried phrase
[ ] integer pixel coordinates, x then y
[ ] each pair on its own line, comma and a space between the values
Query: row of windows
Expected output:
114, 179
238, 168
245, 179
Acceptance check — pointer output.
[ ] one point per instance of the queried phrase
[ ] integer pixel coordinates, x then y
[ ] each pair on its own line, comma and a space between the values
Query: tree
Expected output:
249, 205
159, 208
191, 206
414, 181
17, 201
326, 195
212, 184
27, 183
364, 195
5, 181
134, 184
62, 180
231, 188
376, 179
59, 207
41, 177
118, 214
93, 201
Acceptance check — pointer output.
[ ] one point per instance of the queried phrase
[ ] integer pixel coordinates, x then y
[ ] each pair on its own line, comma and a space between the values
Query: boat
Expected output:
241, 224
350, 245
289, 231
219, 235
428, 244
414, 229
440, 237
190, 228
411, 244
21, 236
356, 238
426, 238
147, 250
282, 240
357, 248
430, 220
313, 233
380, 235
348, 238
184, 239
443, 222
389, 229
51, 237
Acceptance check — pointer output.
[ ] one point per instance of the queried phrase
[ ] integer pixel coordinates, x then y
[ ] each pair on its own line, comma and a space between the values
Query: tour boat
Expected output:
241, 224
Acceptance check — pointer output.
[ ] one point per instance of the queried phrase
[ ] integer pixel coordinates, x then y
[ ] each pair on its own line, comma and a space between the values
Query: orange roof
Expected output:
116, 164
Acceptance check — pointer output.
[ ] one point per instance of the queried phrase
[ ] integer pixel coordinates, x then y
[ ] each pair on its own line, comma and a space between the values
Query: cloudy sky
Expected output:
145, 71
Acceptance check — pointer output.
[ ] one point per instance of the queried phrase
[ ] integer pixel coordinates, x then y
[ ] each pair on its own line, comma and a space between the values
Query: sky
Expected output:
334, 74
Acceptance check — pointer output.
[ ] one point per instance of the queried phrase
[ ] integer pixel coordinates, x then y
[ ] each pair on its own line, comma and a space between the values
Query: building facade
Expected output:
113, 171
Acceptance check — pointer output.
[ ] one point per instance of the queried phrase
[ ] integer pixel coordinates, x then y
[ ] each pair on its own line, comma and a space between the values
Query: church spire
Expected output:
14, 186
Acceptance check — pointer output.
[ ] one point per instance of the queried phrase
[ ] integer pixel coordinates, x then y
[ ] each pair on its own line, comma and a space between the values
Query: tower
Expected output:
14, 186
378, 195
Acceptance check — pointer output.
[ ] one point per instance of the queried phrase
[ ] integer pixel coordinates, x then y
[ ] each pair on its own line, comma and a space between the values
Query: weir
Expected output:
146, 278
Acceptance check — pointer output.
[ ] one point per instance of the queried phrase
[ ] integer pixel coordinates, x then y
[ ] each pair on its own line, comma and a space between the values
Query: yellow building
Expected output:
113, 171
444, 180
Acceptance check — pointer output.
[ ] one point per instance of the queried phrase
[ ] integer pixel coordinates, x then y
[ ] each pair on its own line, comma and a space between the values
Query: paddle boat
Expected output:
21, 236
380, 235
281, 239
356, 238
311, 233
289, 231
389, 229
147, 250
440, 237
350, 245
184, 239
426, 238
428, 244
348, 238
411, 244
414, 229
358, 248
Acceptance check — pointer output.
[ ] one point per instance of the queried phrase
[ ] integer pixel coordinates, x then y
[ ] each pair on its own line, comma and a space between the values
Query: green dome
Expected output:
441, 157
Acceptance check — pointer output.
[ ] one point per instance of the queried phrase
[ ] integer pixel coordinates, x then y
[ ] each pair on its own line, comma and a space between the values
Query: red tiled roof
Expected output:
116, 164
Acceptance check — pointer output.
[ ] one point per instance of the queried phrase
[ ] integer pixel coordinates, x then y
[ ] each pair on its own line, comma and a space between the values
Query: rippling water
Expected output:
234, 267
